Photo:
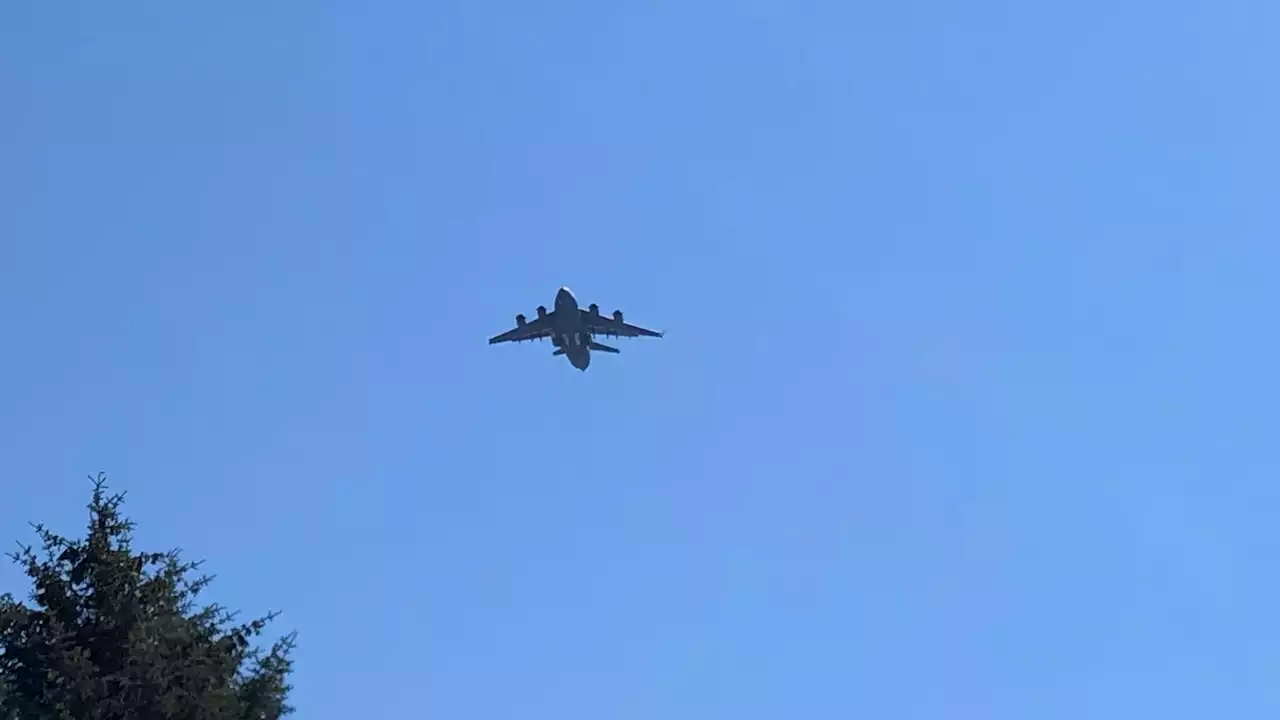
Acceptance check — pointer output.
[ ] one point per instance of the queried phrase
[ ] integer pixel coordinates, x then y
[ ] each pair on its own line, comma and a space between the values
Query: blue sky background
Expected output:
965, 407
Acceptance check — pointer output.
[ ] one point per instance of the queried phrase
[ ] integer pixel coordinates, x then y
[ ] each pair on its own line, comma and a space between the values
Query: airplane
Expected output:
572, 329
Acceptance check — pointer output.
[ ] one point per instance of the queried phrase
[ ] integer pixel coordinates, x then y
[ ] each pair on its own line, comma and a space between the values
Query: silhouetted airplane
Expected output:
572, 329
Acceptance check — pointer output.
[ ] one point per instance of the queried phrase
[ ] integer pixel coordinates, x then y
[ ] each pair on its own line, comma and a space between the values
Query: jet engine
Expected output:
520, 321
542, 311
617, 315
594, 308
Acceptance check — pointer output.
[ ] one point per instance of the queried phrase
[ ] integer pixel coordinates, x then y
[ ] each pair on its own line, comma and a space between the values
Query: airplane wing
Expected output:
614, 326
539, 327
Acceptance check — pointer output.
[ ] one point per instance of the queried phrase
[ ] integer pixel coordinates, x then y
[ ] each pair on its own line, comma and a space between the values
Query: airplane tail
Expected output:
594, 346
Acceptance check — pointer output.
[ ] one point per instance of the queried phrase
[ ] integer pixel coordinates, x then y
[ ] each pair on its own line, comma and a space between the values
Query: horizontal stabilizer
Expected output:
559, 351
603, 348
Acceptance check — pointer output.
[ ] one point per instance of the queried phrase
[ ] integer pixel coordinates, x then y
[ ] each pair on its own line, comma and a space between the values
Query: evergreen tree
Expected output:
116, 635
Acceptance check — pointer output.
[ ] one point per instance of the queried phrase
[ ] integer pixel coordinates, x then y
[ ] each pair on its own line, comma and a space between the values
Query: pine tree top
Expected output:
111, 633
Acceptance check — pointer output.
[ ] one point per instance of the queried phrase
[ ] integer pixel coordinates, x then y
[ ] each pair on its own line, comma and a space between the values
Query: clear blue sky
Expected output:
965, 407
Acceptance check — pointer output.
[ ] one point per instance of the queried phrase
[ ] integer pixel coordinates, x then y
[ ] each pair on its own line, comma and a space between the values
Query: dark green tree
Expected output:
114, 634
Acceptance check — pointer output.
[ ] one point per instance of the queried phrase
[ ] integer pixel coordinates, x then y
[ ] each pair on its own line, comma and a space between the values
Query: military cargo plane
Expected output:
572, 329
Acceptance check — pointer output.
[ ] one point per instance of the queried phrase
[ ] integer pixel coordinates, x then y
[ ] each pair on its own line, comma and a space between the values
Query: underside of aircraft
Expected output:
573, 329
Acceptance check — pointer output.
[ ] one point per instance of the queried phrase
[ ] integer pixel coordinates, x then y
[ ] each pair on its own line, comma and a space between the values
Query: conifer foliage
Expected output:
114, 634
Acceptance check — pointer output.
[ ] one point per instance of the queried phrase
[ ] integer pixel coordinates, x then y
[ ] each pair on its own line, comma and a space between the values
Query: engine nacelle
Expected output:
594, 308
617, 315
542, 311
520, 321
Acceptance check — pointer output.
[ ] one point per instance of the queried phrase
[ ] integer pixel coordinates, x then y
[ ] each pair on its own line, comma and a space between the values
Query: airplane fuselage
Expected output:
571, 336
